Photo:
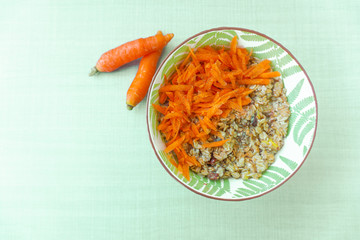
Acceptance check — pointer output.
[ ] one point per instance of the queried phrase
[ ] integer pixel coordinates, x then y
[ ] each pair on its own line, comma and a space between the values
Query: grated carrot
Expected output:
270, 75
215, 144
226, 113
175, 144
208, 85
233, 45
254, 81
209, 123
170, 95
259, 68
185, 171
160, 109
172, 161
170, 88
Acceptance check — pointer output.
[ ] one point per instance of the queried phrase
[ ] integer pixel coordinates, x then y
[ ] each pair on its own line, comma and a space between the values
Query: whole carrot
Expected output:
139, 87
127, 52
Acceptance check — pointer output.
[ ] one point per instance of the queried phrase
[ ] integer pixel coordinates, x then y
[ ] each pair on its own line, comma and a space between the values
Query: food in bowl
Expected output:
223, 113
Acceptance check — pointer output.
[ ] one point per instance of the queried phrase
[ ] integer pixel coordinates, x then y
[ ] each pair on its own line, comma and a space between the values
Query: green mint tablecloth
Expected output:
75, 164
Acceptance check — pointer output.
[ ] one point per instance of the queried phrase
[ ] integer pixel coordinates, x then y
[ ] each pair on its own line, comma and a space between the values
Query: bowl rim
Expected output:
148, 102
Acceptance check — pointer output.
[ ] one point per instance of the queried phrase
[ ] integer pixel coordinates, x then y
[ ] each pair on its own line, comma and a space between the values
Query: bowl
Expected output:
302, 124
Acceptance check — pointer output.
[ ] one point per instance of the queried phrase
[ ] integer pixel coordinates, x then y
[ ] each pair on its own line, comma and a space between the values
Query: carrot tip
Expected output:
93, 71
129, 107
169, 36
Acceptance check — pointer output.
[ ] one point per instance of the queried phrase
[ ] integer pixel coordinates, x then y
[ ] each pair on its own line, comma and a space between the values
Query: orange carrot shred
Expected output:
209, 83
175, 144
235, 106
215, 144
239, 102
247, 92
204, 126
193, 160
270, 75
259, 68
170, 88
172, 115
184, 101
226, 113
218, 134
160, 109
209, 123
194, 129
185, 61
246, 101
202, 134
185, 171
251, 51
254, 81
162, 98
163, 126
193, 57
232, 79
233, 44
180, 168
189, 96
170, 95
166, 80
172, 161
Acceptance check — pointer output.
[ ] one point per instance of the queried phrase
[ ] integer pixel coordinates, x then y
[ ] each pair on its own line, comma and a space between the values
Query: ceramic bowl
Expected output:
302, 123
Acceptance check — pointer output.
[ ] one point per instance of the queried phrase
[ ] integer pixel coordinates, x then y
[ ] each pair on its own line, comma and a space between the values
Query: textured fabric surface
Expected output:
76, 164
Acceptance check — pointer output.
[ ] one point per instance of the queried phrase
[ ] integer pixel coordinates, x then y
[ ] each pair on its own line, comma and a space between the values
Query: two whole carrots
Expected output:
149, 48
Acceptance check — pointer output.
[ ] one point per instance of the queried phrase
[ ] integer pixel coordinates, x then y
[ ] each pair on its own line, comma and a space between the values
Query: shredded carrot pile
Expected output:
206, 86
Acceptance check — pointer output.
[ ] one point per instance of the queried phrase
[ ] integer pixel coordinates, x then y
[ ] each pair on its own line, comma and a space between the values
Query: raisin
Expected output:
213, 176
212, 162
254, 120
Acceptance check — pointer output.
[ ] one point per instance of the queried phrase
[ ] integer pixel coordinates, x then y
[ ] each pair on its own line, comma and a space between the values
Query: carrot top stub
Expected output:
206, 87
